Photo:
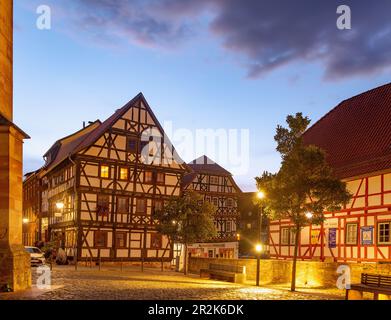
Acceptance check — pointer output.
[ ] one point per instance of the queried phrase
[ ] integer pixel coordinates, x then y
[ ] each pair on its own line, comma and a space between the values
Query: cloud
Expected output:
263, 34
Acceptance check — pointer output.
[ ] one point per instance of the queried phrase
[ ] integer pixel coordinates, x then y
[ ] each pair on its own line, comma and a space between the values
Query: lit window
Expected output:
285, 236
141, 206
351, 233
123, 173
215, 202
384, 233
148, 177
104, 171
230, 202
160, 178
249, 225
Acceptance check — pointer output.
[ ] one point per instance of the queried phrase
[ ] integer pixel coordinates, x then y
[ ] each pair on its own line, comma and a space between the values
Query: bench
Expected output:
229, 273
373, 283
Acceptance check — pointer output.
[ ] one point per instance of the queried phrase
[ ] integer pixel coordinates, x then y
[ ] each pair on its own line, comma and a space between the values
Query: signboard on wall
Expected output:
315, 236
332, 238
330, 223
367, 235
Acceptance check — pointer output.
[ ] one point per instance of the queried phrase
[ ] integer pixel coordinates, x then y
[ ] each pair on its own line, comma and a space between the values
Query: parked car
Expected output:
37, 257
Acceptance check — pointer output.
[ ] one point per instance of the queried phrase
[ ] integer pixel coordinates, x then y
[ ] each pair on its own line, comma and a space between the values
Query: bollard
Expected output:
91, 262
121, 264
162, 265
100, 263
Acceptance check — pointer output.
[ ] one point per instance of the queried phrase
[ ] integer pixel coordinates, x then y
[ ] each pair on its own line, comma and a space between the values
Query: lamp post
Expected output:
258, 250
260, 196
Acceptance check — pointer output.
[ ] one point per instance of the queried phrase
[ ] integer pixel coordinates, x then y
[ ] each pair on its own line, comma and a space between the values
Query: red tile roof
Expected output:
356, 134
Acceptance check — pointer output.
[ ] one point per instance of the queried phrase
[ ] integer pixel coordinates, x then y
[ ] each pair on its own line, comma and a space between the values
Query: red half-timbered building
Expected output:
101, 186
356, 136
216, 185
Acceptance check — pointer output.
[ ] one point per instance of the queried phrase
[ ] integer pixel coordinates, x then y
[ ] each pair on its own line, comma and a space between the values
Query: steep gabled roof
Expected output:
205, 165
356, 134
86, 137
66, 146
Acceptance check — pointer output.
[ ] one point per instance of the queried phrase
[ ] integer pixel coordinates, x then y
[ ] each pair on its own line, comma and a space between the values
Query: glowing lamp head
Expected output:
309, 215
260, 195
60, 205
174, 222
25, 220
259, 248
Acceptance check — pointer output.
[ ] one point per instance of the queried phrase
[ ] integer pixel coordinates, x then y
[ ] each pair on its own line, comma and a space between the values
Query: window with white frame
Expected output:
351, 233
228, 226
292, 236
285, 236
383, 232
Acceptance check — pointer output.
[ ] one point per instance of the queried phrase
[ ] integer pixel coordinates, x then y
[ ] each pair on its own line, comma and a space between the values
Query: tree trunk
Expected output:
185, 260
293, 280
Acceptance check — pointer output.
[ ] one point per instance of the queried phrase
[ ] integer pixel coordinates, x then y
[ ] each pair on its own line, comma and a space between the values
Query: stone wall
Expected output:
6, 58
309, 273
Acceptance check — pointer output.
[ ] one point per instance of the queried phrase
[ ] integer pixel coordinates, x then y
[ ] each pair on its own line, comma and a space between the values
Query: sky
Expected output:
229, 66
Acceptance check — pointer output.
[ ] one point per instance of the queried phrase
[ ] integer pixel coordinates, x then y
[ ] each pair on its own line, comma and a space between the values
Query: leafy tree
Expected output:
305, 185
187, 219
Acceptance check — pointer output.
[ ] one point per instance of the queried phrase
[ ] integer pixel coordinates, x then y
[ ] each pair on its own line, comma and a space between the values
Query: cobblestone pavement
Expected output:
132, 284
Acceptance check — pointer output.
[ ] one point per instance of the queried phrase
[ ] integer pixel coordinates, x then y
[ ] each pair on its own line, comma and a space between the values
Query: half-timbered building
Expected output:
100, 187
356, 136
216, 185
31, 209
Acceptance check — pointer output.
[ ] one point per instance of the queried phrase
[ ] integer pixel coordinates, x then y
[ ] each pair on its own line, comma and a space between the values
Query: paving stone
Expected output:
152, 284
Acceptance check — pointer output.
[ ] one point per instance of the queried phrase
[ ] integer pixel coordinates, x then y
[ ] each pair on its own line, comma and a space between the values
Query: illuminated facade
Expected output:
356, 136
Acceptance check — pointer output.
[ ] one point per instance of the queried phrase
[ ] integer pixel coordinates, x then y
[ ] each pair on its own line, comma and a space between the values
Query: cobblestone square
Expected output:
153, 284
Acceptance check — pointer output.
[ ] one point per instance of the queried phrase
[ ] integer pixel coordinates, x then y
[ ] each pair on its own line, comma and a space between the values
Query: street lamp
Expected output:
25, 220
258, 250
60, 205
261, 195
309, 215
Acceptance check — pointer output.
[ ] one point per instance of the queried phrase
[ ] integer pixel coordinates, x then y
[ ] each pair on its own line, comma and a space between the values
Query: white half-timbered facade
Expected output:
102, 185
216, 185
356, 136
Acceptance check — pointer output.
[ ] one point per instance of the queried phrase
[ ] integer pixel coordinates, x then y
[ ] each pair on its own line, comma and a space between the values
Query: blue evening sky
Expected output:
62, 79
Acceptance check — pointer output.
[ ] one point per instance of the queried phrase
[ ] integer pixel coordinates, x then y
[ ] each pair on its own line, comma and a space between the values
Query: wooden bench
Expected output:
373, 283
229, 273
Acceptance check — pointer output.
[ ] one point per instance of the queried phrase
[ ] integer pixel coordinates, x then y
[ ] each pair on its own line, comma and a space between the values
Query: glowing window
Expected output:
104, 171
123, 174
